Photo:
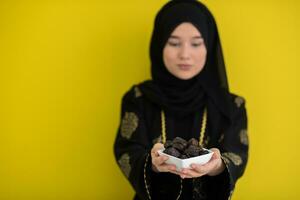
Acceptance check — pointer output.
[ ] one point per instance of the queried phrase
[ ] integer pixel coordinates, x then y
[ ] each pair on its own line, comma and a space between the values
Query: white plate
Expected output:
185, 163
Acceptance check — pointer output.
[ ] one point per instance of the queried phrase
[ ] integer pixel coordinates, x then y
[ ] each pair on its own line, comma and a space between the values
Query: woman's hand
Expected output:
158, 162
214, 167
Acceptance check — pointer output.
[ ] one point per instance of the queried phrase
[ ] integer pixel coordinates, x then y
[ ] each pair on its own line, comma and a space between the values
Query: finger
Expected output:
213, 162
181, 174
216, 153
201, 169
206, 168
191, 173
155, 154
215, 156
160, 160
185, 176
166, 168
156, 147
175, 172
210, 164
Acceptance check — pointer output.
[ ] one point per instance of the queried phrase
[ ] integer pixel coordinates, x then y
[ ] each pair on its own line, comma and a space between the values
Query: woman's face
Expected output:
184, 54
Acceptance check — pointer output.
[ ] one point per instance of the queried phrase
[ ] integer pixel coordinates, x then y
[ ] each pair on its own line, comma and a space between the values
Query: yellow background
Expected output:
64, 66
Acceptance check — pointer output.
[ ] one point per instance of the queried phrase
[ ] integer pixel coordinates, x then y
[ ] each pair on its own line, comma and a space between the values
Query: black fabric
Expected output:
165, 186
183, 101
182, 97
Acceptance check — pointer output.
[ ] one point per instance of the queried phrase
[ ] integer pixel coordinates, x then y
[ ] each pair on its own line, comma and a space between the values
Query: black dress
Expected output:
140, 129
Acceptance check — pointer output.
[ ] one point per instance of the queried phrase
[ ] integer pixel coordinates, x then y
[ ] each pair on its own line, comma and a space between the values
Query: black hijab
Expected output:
183, 97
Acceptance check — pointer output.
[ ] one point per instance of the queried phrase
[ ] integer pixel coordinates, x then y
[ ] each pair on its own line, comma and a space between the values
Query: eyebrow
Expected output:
177, 37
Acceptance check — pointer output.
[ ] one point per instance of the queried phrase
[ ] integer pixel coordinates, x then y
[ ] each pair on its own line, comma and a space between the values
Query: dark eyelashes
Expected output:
178, 44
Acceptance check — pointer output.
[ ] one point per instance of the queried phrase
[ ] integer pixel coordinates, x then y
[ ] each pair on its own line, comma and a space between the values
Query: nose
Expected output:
184, 52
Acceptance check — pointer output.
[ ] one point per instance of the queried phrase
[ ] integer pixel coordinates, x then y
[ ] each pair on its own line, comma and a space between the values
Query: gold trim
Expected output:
236, 159
129, 124
145, 177
226, 162
124, 163
146, 185
180, 190
244, 137
203, 126
163, 127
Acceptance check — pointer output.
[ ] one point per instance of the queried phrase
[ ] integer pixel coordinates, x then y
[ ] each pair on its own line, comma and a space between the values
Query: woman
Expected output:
188, 97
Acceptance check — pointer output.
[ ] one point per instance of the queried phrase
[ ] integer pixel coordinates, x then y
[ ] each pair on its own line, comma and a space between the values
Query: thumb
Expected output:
157, 147
216, 153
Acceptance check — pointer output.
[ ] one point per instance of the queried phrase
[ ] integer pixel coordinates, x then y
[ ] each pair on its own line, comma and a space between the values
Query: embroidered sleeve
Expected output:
132, 152
234, 145
132, 146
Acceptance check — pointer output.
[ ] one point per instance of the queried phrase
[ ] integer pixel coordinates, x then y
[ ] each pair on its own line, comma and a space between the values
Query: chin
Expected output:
185, 77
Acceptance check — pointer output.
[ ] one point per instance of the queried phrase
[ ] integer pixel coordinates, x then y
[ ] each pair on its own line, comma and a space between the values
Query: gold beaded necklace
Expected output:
164, 137
203, 126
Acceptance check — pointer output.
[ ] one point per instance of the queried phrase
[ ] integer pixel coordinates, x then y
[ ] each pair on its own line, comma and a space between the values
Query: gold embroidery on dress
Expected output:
236, 159
137, 91
244, 137
239, 101
226, 160
147, 186
157, 140
129, 124
196, 190
221, 138
124, 163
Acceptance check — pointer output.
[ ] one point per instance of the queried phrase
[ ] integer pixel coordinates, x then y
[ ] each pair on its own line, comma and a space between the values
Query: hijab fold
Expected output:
182, 97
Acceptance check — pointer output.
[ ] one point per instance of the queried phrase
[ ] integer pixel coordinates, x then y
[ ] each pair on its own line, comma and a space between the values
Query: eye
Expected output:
197, 44
174, 44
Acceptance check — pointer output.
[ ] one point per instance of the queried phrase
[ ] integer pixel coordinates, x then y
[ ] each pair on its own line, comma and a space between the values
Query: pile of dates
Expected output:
183, 149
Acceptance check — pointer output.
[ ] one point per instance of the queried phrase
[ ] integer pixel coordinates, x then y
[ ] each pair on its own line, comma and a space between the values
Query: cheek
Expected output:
201, 58
169, 56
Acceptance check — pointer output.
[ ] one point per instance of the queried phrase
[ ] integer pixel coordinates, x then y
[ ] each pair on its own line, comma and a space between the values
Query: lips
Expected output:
185, 67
